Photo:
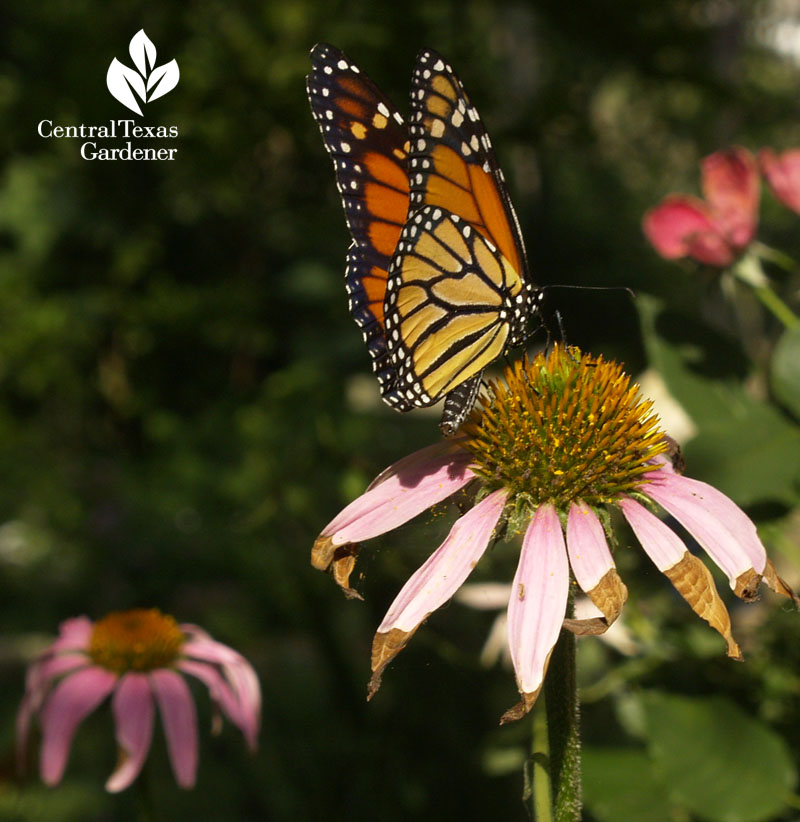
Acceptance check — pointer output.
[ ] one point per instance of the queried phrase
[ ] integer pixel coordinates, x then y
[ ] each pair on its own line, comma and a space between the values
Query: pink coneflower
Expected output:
783, 175
138, 657
717, 230
551, 451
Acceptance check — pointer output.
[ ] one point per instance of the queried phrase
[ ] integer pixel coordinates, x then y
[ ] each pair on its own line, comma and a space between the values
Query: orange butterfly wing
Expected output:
459, 291
367, 140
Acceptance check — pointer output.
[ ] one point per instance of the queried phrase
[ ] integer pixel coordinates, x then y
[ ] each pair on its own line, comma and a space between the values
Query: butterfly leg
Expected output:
458, 403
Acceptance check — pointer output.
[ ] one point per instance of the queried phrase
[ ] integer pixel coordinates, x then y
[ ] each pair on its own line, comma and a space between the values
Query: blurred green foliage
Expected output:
181, 411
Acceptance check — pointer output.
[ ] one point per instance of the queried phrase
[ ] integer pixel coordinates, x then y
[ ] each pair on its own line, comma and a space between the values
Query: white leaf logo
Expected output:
148, 82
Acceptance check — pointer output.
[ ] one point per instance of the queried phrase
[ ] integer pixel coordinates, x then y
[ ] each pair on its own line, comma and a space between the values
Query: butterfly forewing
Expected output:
452, 163
367, 140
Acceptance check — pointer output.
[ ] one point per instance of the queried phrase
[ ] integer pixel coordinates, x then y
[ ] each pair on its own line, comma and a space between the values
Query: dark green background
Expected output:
177, 373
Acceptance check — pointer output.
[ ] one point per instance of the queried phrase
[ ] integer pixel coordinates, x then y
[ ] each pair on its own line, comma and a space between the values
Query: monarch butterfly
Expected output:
455, 285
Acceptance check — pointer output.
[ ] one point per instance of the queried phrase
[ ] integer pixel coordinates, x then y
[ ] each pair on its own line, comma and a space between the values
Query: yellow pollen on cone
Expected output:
562, 427
142, 639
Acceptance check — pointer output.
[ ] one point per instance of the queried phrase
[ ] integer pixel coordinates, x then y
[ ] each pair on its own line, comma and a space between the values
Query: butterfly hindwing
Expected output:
367, 140
450, 304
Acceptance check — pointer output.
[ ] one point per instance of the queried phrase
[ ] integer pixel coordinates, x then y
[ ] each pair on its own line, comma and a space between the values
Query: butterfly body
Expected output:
437, 273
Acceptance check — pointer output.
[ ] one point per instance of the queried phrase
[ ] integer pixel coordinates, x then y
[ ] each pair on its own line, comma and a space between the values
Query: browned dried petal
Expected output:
747, 585
385, 647
609, 595
521, 708
339, 560
322, 552
591, 626
779, 585
344, 560
696, 585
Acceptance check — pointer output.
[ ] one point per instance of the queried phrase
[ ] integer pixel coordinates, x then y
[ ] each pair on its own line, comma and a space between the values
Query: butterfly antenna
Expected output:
631, 293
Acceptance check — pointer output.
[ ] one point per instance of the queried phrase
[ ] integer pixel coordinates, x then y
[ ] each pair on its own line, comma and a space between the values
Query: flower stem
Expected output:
542, 793
774, 255
749, 271
561, 695
144, 796
781, 311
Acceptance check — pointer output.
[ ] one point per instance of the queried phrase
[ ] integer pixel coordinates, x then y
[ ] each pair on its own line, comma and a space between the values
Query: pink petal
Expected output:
133, 710
405, 489
40, 674
73, 635
239, 672
783, 175
732, 187
720, 526
72, 700
243, 716
682, 227
439, 578
538, 600
659, 541
179, 719
587, 546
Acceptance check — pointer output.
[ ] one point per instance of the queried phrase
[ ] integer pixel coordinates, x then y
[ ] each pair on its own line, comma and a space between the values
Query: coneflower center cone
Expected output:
564, 426
142, 639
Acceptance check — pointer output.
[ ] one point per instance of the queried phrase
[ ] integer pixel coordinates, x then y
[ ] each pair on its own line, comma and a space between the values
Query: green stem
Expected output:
748, 270
144, 795
542, 793
781, 259
561, 695
781, 311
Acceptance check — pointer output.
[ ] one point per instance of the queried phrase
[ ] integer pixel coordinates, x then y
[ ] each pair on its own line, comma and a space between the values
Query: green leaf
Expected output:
752, 460
718, 762
619, 783
785, 371
744, 446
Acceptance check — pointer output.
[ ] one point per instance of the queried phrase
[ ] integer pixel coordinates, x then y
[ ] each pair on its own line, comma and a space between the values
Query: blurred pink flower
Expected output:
562, 441
136, 657
783, 175
718, 229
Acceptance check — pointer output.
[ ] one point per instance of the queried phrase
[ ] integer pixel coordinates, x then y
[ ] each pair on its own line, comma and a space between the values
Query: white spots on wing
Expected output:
438, 65
457, 119
345, 147
383, 110
342, 64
